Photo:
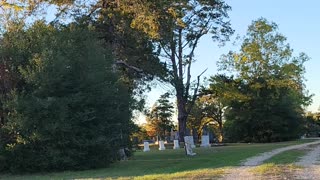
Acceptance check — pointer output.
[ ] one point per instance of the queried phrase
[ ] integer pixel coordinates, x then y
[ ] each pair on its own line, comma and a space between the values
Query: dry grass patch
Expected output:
195, 174
275, 171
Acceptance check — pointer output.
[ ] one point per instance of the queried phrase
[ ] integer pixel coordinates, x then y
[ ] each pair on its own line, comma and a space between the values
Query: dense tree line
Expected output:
264, 97
68, 109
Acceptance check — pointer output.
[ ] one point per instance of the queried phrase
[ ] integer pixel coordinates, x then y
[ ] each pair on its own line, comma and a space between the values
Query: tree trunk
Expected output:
182, 117
220, 132
195, 135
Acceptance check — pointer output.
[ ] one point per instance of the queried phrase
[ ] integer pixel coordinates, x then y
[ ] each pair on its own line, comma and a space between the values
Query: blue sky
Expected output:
297, 20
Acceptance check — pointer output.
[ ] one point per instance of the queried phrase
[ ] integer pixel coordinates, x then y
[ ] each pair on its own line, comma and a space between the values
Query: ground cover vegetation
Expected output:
210, 163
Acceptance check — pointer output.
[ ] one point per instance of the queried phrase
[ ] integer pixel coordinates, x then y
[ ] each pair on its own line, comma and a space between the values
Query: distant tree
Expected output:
196, 120
312, 124
207, 110
140, 134
270, 81
159, 120
209, 107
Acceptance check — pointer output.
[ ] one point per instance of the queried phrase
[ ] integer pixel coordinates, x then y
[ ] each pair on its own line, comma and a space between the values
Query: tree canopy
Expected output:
269, 82
71, 111
170, 29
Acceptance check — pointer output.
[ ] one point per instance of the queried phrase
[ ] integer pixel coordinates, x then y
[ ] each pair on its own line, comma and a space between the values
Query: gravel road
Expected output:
311, 170
310, 163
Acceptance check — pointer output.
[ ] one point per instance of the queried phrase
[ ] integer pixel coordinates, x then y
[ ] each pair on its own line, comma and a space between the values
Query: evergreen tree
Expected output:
72, 112
159, 120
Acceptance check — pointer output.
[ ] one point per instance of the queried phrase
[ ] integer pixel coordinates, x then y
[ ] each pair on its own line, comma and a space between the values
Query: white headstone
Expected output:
146, 147
161, 145
176, 144
205, 141
188, 145
191, 141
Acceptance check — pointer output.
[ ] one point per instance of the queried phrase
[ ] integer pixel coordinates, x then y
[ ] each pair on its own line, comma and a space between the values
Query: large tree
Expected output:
174, 27
270, 81
177, 26
71, 112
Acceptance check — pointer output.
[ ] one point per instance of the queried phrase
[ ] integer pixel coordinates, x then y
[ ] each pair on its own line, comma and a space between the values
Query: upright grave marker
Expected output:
146, 147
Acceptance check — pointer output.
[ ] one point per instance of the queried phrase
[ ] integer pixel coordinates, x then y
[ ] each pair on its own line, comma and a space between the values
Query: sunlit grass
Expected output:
275, 170
287, 157
195, 174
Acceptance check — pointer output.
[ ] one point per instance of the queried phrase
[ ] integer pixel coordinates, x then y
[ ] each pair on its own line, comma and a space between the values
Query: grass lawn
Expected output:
287, 157
168, 164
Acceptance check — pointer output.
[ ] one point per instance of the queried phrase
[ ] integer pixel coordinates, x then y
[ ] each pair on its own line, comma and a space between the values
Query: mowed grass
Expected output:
168, 164
287, 157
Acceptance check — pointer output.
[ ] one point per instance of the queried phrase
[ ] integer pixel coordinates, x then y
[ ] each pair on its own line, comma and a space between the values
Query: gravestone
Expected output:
191, 141
188, 140
161, 145
205, 141
176, 144
146, 147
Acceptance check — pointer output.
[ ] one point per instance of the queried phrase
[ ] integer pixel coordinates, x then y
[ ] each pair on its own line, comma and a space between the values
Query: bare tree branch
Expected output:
189, 67
164, 49
129, 66
195, 92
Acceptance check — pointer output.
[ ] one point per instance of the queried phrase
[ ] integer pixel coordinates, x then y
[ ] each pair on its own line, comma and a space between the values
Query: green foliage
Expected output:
269, 117
139, 135
159, 120
312, 124
72, 112
140, 32
265, 98
207, 109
